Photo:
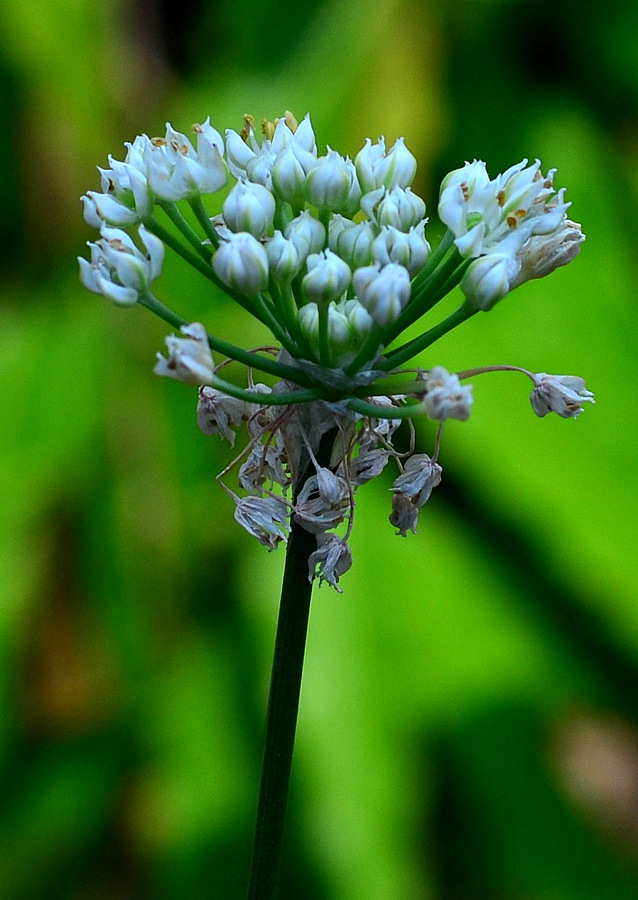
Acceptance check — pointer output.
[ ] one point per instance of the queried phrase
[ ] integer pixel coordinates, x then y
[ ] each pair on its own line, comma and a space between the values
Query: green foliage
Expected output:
469, 724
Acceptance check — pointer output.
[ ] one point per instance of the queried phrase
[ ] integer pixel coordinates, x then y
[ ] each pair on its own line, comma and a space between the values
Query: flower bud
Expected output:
190, 359
336, 225
327, 279
359, 319
488, 279
354, 245
400, 207
241, 263
328, 183
400, 166
249, 207
371, 165
384, 292
284, 261
339, 336
410, 250
288, 177
307, 234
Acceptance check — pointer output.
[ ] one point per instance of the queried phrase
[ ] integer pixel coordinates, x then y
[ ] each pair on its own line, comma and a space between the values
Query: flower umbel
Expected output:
330, 256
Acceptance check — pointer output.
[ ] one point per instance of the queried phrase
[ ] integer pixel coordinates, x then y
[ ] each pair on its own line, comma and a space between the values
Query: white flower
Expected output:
241, 262
189, 359
499, 214
562, 394
174, 171
446, 397
118, 269
100, 209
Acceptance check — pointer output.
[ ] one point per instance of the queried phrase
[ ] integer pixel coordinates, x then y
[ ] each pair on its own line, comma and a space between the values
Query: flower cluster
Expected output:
330, 255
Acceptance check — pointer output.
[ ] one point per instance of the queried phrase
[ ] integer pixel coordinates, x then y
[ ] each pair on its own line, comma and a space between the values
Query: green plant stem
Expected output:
402, 354
248, 358
283, 702
197, 205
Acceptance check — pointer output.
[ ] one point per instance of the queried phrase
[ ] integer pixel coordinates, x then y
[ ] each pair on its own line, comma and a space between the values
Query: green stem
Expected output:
283, 701
176, 216
261, 363
177, 247
402, 354
204, 220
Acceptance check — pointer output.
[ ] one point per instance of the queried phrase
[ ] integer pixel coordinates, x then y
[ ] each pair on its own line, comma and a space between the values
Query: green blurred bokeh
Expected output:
469, 725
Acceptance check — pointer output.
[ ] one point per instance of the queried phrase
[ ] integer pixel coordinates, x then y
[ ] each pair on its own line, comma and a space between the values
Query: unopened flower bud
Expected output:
384, 292
446, 397
288, 176
488, 279
400, 207
410, 250
327, 279
284, 261
354, 245
371, 165
562, 394
241, 263
400, 166
190, 359
307, 233
249, 207
328, 183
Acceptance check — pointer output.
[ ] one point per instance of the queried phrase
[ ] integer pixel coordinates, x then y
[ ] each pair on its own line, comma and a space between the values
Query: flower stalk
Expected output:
283, 701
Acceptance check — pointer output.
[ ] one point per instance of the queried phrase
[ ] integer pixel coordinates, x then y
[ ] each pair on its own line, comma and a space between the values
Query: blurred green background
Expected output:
469, 724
